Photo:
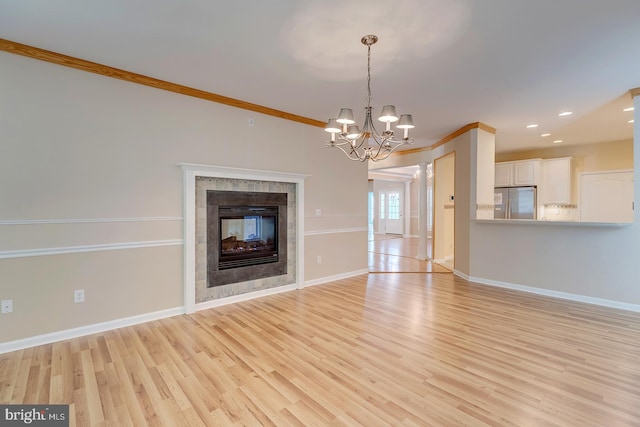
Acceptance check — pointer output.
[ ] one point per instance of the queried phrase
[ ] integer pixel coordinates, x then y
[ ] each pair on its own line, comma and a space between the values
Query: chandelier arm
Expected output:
349, 142
357, 157
387, 154
378, 150
343, 142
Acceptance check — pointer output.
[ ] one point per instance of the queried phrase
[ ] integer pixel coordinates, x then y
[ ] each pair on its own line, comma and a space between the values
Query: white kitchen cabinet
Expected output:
526, 172
517, 174
556, 181
503, 174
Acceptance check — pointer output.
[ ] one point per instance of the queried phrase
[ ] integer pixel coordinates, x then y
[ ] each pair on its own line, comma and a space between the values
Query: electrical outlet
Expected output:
319, 259
318, 212
78, 295
7, 306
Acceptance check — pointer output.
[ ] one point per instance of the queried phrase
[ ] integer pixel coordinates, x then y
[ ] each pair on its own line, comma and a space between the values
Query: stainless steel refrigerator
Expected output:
515, 203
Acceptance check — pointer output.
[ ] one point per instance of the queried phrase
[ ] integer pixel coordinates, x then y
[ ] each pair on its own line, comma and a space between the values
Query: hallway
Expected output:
390, 253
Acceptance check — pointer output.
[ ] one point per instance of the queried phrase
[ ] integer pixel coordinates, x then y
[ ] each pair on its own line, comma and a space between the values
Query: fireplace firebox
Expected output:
246, 236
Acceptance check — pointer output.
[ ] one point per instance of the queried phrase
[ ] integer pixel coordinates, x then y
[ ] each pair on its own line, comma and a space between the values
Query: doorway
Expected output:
394, 241
444, 209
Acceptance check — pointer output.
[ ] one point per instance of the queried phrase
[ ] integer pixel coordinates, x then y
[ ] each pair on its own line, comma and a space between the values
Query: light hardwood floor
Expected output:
390, 253
374, 350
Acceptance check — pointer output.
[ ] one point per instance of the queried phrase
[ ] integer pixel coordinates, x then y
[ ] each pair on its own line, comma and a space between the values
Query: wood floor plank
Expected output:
380, 349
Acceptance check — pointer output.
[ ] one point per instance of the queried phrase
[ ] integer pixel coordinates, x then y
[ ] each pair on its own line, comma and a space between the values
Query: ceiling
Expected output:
505, 63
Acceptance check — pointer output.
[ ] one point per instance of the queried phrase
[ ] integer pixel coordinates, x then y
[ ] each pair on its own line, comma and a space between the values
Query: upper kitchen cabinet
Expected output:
503, 174
518, 174
556, 181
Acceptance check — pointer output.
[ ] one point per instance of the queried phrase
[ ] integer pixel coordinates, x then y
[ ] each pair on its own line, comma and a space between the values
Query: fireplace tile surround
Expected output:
202, 185
234, 178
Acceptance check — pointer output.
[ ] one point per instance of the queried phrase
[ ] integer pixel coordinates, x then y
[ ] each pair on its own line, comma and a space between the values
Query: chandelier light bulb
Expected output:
405, 123
333, 126
353, 132
388, 114
346, 116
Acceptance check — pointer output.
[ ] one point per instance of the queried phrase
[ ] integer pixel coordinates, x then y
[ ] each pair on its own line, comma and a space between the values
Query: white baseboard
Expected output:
244, 297
461, 274
328, 279
67, 334
551, 293
336, 231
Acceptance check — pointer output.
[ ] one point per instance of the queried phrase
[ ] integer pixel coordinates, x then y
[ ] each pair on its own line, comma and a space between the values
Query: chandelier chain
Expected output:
368, 76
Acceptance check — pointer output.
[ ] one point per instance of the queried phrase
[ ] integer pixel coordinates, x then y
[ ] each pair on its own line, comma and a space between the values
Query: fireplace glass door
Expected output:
248, 236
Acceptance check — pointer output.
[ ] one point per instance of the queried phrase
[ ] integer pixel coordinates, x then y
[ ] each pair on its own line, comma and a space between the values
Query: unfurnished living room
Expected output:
313, 213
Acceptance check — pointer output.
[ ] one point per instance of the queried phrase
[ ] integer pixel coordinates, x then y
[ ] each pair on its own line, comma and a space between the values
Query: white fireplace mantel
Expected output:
190, 173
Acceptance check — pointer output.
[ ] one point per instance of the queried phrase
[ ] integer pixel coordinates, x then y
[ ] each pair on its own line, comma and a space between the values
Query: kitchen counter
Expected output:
560, 223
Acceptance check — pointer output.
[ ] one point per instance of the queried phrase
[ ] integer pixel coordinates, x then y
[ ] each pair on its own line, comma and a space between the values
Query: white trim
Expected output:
606, 172
335, 277
390, 175
336, 231
461, 274
189, 226
239, 173
190, 172
23, 253
406, 210
534, 222
551, 293
244, 297
85, 220
68, 334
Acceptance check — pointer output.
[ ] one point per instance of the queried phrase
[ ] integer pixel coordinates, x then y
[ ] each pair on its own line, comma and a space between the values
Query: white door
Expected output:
392, 211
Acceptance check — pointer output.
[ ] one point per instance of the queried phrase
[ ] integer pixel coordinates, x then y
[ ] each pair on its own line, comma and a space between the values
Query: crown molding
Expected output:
464, 129
116, 73
128, 76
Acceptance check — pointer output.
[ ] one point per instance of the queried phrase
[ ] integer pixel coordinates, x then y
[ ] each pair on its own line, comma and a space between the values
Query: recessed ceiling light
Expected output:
631, 121
531, 126
544, 135
565, 113
628, 109
557, 141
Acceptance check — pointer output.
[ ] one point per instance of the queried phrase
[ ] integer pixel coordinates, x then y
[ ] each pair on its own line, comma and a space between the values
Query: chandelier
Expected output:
366, 143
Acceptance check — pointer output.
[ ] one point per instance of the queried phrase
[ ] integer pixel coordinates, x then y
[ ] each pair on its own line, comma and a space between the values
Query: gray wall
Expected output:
87, 161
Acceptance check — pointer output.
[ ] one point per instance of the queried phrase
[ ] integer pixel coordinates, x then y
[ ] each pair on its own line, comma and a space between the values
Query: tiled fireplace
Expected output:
201, 291
220, 205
